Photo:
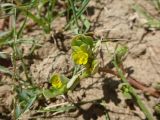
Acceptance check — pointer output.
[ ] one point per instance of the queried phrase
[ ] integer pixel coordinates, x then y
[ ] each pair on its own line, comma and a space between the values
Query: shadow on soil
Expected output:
58, 39
109, 90
96, 110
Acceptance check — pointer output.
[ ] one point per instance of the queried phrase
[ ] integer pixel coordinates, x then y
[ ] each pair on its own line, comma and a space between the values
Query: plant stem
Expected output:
17, 53
14, 55
74, 12
79, 12
134, 94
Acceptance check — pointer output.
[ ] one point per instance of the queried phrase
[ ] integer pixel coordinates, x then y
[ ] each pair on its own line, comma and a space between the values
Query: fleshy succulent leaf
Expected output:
125, 91
59, 86
81, 39
120, 52
94, 66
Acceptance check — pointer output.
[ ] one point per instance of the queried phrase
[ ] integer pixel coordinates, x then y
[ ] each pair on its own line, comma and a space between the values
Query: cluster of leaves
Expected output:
84, 54
85, 65
58, 86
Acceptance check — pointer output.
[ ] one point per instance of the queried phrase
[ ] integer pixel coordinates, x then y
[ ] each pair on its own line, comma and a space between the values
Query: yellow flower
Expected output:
80, 57
56, 81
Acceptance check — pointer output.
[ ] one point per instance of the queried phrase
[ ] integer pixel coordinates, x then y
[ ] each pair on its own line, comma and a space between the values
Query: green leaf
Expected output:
157, 4
64, 79
82, 39
142, 12
51, 93
3, 34
40, 21
79, 13
94, 66
75, 48
29, 103
151, 21
20, 41
120, 52
17, 111
60, 109
3, 56
86, 23
21, 28
86, 73
26, 98
5, 70
125, 91
157, 108
76, 42
90, 68
86, 48
73, 82
59, 83
5, 37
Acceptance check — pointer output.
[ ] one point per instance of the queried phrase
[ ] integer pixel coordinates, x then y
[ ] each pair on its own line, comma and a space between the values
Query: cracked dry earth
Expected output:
114, 19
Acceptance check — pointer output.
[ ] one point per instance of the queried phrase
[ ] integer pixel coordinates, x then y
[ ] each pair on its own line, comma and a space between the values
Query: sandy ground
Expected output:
111, 19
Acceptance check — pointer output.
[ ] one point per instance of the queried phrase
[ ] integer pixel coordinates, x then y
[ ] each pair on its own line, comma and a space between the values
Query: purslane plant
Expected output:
83, 54
86, 64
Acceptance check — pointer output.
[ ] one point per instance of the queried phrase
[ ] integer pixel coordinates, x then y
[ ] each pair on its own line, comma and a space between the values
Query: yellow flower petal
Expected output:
80, 57
56, 81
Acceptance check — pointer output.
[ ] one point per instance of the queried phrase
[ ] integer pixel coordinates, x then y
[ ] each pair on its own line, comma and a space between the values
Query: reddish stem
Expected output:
136, 84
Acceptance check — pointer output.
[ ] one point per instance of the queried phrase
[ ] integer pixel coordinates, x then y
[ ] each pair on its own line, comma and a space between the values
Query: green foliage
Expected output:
78, 16
125, 91
5, 70
120, 51
45, 18
86, 24
59, 86
44, 21
25, 99
5, 37
58, 81
61, 109
73, 82
156, 4
129, 89
83, 54
152, 22
82, 40
42, 13
157, 108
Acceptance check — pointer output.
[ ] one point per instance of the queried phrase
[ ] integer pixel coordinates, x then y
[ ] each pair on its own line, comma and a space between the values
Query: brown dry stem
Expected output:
135, 83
